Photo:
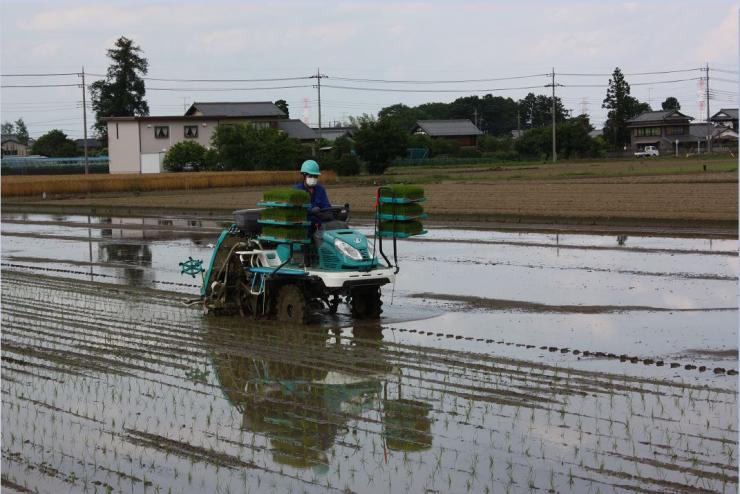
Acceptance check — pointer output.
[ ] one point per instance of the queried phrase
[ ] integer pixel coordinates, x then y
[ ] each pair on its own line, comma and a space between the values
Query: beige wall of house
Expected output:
10, 148
150, 143
123, 147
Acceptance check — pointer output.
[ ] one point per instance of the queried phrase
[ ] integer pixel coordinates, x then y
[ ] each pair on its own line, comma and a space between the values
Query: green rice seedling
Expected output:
285, 232
411, 209
410, 192
288, 215
296, 197
403, 227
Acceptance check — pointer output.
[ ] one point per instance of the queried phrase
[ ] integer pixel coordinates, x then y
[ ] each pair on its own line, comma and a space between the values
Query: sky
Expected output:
418, 41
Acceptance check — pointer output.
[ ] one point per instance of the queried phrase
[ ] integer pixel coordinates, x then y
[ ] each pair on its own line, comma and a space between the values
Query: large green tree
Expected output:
283, 105
8, 128
121, 93
536, 111
402, 116
245, 147
378, 143
184, 154
54, 144
671, 103
573, 140
621, 108
21, 131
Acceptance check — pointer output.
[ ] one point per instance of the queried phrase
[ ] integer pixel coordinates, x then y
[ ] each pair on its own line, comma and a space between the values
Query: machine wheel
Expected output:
291, 306
366, 303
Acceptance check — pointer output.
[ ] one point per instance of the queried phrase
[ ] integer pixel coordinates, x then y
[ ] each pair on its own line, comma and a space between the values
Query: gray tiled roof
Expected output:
332, 133
462, 127
297, 129
658, 116
236, 109
725, 114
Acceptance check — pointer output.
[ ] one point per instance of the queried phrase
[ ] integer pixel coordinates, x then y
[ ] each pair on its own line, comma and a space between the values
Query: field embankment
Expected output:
38, 185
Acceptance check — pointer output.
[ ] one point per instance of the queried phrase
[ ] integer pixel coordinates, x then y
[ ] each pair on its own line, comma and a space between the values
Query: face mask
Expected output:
312, 181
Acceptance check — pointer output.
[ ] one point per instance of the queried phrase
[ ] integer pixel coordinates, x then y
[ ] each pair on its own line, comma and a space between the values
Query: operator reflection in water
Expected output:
319, 199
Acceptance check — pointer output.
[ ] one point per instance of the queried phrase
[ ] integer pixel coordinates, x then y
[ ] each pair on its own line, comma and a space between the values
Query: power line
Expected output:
39, 75
162, 79
224, 89
396, 90
40, 85
447, 81
636, 83
629, 74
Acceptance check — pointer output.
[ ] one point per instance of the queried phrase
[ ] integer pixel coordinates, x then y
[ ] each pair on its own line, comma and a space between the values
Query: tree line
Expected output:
376, 141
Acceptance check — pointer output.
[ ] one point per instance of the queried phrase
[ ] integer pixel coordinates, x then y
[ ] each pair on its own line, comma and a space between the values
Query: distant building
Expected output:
333, 133
12, 146
139, 144
596, 133
726, 117
660, 129
462, 131
721, 136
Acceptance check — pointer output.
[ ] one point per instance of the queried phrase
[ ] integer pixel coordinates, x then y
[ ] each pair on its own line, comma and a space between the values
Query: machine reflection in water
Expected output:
303, 389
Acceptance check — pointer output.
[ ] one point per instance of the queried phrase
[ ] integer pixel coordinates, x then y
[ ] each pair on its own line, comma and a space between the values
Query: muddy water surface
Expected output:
490, 370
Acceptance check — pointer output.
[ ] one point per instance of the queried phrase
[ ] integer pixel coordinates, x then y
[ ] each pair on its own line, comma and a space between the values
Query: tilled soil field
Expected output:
108, 388
708, 200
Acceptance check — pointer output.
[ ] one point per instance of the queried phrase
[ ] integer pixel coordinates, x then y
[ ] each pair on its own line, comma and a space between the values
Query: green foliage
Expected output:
8, 128
296, 197
283, 105
443, 146
291, 215
21, 131
285, 232
489, 143
411, 192
402, 116
184, 154
121, 93
536, 111
670, 103
210, 160
347, 166
378, 143
573, 141
621, 108
412, 227
244, 147
420, 141
54, 144
342, 145
469, 152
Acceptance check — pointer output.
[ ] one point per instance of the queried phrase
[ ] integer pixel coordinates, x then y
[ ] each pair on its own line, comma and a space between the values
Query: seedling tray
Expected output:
273, 204
400, 217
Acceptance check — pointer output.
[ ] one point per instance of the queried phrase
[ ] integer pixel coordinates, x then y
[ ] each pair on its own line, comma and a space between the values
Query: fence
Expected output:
52, 166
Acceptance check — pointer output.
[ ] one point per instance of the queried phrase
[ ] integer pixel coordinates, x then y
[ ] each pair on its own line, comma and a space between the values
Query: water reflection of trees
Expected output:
301, 388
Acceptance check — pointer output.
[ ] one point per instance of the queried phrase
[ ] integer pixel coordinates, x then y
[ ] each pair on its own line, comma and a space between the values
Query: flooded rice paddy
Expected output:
504, 362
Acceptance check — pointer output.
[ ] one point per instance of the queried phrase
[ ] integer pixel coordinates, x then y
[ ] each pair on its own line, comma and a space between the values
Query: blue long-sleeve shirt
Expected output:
319, 199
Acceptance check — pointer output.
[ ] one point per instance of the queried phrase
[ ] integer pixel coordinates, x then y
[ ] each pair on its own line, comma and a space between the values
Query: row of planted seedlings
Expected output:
449, 402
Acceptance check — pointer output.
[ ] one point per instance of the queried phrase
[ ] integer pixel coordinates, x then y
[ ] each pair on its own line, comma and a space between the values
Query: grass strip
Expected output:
412, 209
407, 227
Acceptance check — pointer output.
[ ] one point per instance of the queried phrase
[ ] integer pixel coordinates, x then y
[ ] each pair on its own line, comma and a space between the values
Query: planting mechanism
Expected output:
273, 263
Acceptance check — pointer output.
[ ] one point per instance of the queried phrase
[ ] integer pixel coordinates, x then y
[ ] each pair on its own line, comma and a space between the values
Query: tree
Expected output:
573, 140
671, 103
402, 116
536, 111
621, 108
244, 147
54, 144
21, 131
184, 154
378, 143
121, 93
8, 128
283, 105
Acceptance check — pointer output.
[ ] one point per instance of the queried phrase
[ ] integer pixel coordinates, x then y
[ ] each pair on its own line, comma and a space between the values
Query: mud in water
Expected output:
503, 362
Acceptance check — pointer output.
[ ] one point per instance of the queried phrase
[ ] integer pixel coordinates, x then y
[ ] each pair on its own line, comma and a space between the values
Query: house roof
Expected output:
435, 128
725, 114
91, 143
332, 133
297, 129
658, 116
236, 109
11, 138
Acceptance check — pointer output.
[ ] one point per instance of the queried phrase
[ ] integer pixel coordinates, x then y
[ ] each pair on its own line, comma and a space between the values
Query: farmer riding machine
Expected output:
287, 261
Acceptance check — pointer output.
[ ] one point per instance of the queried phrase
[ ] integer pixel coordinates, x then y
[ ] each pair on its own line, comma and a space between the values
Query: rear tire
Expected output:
366, 303
291, 306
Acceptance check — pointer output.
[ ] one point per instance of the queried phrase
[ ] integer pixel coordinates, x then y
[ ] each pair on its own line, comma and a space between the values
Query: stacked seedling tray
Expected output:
285, 218
400, 212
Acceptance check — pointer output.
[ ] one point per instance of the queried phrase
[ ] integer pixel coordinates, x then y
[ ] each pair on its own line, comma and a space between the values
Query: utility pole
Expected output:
318, 78
84, 116
554, 142
475, 116
706, 96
